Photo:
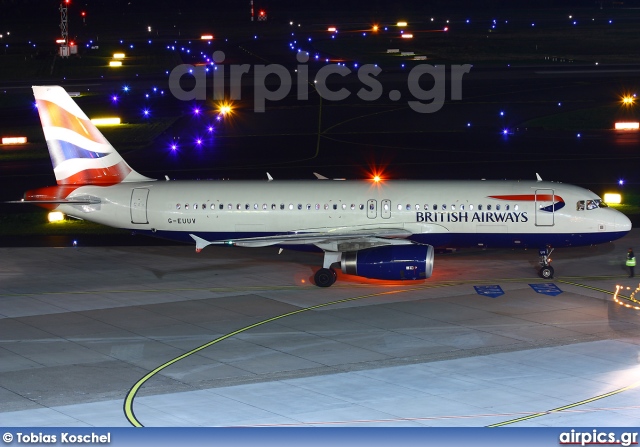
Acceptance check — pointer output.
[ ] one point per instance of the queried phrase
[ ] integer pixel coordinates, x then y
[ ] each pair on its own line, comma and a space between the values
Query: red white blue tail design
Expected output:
80, 154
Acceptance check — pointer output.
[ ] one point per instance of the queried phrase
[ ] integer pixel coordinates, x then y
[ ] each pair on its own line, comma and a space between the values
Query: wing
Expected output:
339, 240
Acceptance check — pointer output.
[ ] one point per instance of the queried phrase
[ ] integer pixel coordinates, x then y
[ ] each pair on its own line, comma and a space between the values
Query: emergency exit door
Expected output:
545, 207
139, 198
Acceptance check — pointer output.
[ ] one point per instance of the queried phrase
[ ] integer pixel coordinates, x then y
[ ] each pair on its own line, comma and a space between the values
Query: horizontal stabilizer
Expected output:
92, 201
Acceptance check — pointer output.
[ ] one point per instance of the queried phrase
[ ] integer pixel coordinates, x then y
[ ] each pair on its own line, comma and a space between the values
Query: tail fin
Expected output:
80, 154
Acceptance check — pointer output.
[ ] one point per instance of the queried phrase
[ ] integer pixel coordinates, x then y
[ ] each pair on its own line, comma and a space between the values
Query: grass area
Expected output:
594, 118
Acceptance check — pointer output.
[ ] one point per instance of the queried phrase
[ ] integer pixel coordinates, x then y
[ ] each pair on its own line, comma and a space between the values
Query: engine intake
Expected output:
392, 262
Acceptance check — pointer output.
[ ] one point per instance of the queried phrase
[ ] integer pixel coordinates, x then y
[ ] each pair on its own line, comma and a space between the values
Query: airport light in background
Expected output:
206, 37
225, 109
14, 140
614, 198
112, 121
375, 28
55, 216
628, 100
627, 126
407, 36
118, 55
332, 29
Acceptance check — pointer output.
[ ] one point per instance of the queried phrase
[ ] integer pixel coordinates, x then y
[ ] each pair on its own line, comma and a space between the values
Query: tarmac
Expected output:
162, 336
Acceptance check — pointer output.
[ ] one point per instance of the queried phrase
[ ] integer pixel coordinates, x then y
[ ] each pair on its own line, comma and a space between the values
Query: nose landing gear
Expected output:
546, 271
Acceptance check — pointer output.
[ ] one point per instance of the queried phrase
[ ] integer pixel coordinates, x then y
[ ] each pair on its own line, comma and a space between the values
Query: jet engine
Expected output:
392, 262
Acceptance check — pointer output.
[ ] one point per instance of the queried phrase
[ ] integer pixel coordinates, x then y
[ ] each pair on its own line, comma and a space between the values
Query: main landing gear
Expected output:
326, 276
546, 271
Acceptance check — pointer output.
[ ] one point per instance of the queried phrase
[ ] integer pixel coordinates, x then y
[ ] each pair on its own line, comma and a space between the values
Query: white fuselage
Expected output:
439, 213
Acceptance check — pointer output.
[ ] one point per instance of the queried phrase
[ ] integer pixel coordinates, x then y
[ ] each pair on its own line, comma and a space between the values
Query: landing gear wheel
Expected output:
546, 272
325, 277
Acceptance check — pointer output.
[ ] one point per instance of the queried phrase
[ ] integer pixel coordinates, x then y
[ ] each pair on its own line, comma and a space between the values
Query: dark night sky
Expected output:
34, 17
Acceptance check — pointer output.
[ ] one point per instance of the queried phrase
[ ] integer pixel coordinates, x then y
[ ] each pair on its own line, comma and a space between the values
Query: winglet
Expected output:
269, 177
200, 243
320, 177
538, 177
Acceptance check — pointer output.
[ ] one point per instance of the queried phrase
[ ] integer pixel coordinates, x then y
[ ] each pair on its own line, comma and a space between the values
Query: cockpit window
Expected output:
590, 204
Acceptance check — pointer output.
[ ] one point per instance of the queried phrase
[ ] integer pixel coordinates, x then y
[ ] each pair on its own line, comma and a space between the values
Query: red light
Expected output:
83, 13
262, 12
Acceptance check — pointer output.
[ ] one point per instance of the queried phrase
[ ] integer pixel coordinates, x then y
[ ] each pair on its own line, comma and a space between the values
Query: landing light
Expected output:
55, 216
115, 64
206, 37
401, 24
407, 36
376, 178
118, 55
612, 198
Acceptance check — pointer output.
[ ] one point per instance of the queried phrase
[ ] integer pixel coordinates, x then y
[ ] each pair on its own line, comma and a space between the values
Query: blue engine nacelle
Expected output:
390, 262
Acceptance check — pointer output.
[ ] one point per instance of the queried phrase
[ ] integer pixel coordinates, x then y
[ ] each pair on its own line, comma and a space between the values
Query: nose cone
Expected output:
622, 222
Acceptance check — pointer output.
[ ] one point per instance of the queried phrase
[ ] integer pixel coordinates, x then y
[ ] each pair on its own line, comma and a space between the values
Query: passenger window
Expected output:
204, 206
361, 207
308, 206
462, 207
186, 206
239, 206
479, 207
386, 207
291, 206
417, 207
177, 206
247, 206
426, 207
273, 206
326, 206
344, 206
515, 207
506, 207
498, 207
230, 206
335, 206
444, 207
195, 206
488, 207
372, 206
580, 205
453, 207
399, 207
255, 206
317, 206
353, 206
282, 206
264, 206
299, 206
408, 207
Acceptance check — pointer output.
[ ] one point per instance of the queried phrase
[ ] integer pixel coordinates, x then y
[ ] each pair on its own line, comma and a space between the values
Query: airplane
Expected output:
379, 229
